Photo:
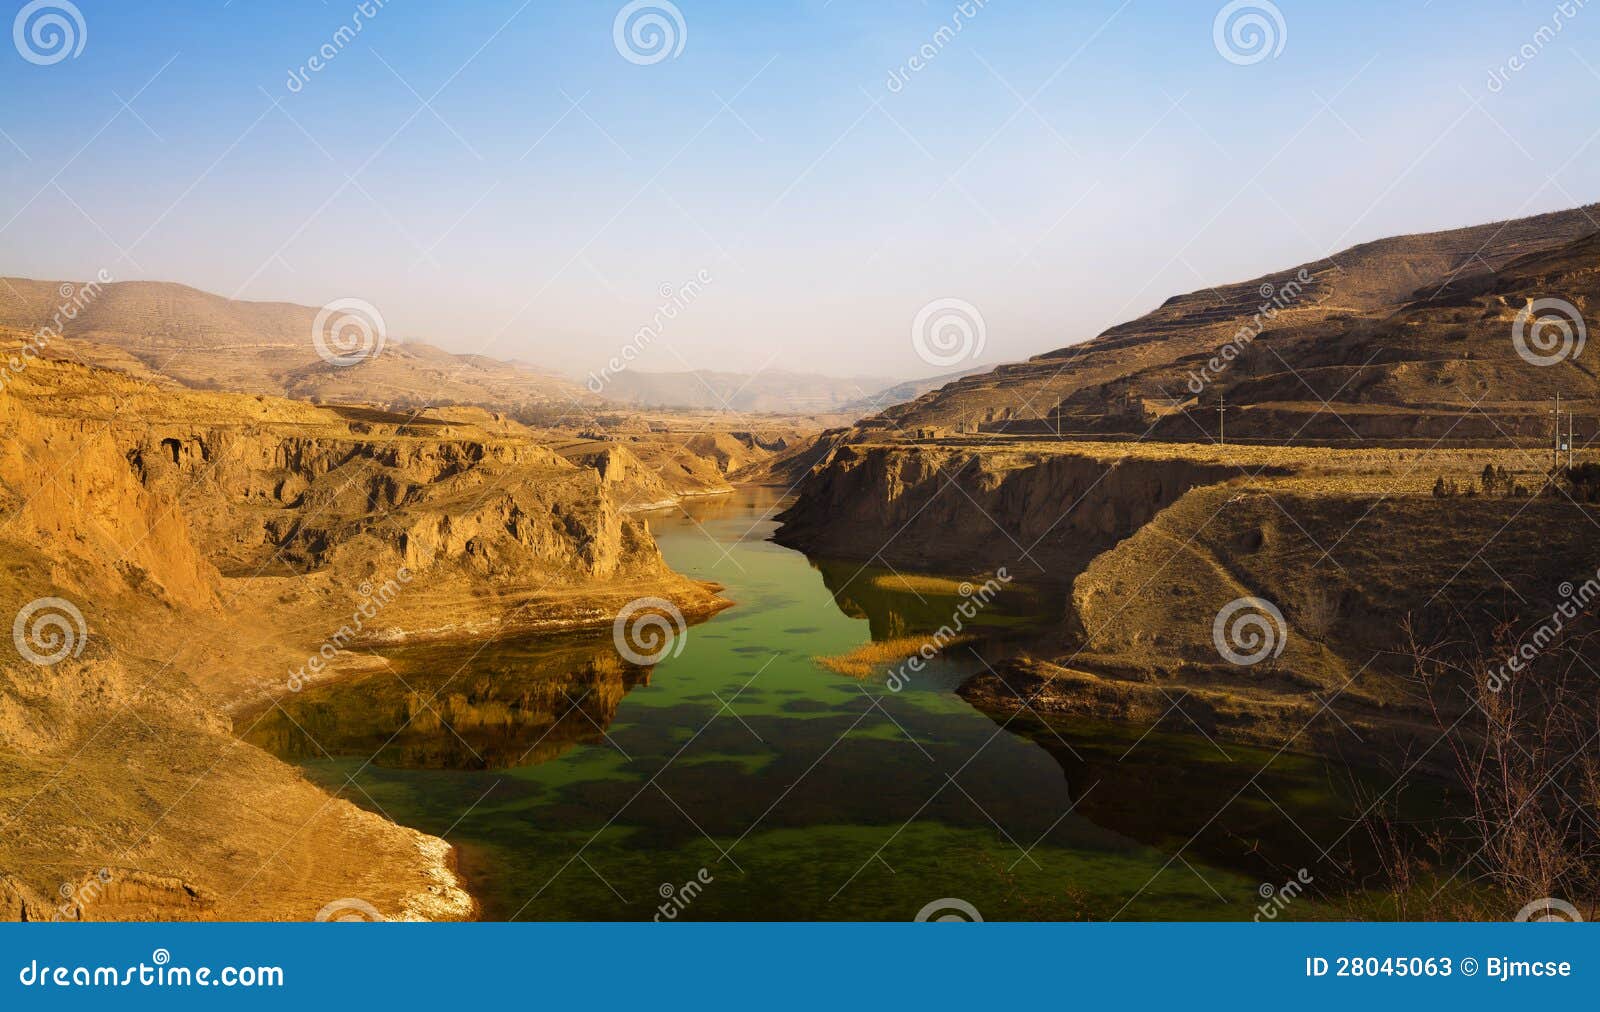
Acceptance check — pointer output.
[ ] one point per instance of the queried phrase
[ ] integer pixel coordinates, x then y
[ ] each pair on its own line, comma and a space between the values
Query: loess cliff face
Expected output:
1154, 541
503, 509
199, 549
65, 482
199, 495
1041, 514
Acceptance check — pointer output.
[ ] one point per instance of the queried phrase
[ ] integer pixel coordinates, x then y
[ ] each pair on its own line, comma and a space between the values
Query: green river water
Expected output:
576, 786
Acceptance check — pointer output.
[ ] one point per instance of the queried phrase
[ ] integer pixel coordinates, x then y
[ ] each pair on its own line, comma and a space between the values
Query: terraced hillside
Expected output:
1408, 337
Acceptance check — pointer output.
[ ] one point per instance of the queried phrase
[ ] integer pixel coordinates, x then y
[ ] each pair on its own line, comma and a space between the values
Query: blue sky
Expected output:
1061, 166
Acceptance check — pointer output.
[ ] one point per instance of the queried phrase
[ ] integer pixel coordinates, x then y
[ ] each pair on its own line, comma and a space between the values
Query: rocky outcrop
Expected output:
68, 483
20, 903
634, 486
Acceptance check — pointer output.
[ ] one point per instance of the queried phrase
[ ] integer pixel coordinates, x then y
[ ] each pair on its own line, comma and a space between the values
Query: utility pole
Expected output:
1222, 419
1555, 461
1572, 436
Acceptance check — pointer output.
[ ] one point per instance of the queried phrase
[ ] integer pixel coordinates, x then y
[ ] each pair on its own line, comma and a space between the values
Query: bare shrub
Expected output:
1522, 751
1318, 611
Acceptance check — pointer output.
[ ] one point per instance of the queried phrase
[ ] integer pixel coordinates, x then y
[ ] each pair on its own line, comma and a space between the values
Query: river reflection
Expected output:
519, 704
896, 605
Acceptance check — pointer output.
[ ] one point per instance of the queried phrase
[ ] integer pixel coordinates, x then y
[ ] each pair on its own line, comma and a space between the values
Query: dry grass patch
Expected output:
870, 658
917, 583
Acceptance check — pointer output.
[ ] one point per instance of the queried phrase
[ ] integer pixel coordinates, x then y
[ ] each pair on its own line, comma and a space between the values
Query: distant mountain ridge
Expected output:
776, 391
206, 341
209, 342
909, 390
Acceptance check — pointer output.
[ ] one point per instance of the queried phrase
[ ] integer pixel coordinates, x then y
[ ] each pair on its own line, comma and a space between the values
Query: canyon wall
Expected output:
1042, 515
199, 548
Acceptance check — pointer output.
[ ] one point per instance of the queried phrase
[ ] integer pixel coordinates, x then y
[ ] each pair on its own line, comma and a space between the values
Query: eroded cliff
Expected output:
173, 556
1044, 514
1340, 562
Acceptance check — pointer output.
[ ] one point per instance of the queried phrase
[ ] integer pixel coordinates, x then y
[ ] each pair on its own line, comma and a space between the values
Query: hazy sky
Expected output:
496, 176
